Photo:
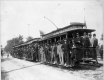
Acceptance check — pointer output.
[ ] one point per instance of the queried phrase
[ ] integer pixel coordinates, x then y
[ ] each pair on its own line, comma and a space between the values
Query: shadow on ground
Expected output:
5, 59
4, 76
77, 67
21, 68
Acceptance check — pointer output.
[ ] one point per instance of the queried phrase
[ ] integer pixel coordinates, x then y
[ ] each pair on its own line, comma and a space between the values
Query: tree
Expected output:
101, 36
29, 38
20, 38
12, 42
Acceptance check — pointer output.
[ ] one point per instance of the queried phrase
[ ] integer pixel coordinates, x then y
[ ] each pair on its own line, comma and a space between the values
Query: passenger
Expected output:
78, 40
73, 36
65, 48
23, 53
101, 47
52, 54
41, 53
86, 45
73, 53
34, 55
32, 52
86, 41
58, 52
70, 51
91, 44
73, 45
61, 54
95, 45
18, 53
27, 53
44, 58
55, 53
37, 56
46, 53
90, 38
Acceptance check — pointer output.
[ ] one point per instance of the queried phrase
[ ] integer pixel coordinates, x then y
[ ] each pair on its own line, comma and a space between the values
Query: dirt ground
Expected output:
90, 71
87, 71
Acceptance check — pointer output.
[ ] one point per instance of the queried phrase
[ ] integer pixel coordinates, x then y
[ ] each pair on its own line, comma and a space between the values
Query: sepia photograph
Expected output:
51, 39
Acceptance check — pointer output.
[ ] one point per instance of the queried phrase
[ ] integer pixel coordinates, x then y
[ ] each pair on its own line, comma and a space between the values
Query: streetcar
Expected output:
23, 51
81, 53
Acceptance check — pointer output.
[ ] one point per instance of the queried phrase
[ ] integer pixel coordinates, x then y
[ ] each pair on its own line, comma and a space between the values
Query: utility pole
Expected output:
84, 19
28, 29
51, 22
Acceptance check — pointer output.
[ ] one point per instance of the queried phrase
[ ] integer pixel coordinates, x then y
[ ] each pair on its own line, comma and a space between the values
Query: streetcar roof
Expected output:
71, 25
61, 31
28, 42
71, 31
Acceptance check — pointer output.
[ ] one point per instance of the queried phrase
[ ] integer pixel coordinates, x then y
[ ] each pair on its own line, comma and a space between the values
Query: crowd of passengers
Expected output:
60, 52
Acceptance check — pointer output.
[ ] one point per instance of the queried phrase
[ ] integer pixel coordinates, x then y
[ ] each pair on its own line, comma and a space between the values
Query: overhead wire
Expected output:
46, 14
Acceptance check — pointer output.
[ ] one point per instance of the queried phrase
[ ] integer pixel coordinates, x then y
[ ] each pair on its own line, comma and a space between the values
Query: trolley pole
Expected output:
51, 22
84, 19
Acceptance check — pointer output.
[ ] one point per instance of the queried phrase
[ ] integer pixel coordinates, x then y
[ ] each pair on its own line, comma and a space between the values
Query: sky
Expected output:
27, 17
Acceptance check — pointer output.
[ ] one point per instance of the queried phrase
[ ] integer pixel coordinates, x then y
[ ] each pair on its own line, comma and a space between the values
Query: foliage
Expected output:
13, 42
29, 38
102, 36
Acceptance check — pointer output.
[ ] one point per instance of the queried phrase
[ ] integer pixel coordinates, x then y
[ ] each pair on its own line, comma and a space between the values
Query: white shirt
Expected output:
91, 41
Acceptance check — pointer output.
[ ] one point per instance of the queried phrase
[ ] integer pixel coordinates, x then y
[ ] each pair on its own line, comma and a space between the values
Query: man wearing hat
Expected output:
95, 45
91, 44
86, 45
65, 48
36, 52
49, 52
72, 54
86, 41
58, 51
101, 47
52, 53
90, 38
78, 40
55, 53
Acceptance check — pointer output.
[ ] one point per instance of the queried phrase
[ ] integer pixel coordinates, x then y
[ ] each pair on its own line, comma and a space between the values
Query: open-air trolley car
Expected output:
82, 53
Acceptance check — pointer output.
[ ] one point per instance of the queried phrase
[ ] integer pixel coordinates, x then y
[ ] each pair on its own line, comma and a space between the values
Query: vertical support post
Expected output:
50, 41
66, 35
47, 41
60, 38
55, 39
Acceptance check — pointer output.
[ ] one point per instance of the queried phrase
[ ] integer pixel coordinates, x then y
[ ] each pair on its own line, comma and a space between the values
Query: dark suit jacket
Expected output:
65, 47
95, 42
